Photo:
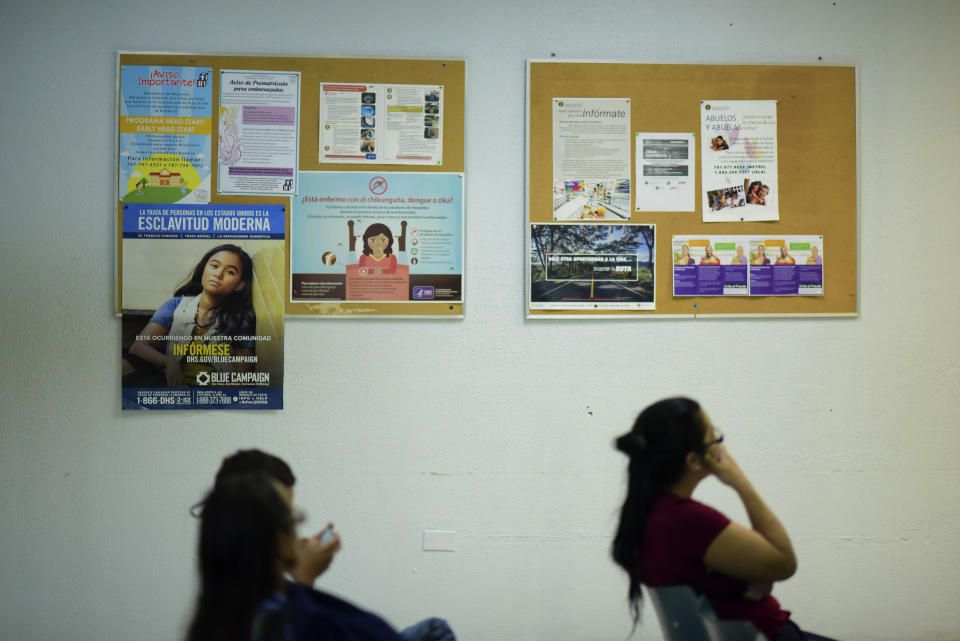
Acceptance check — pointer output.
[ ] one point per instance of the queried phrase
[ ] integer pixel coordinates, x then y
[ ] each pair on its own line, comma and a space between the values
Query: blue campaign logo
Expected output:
371, 156
423, 292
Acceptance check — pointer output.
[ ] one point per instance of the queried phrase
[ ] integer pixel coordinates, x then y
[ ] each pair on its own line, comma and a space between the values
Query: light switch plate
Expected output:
438, 541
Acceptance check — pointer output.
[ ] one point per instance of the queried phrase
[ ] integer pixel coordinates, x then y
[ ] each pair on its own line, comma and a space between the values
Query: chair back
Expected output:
727, 630
678, 610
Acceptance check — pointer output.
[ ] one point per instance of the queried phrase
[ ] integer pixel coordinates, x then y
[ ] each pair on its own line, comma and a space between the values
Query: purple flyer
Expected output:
709, 266
786, 266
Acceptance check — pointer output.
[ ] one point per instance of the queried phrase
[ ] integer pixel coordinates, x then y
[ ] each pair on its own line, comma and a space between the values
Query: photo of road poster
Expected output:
377, 237
591, 159
165, 129
584, 266
739, 160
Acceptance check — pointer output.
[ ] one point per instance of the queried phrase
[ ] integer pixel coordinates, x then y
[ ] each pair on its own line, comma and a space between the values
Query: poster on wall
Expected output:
164, 134
665, 172
259, 138
786, 266
591, 159
374, 123
202, 306
739, 160
710, 266
599, 266
377, 237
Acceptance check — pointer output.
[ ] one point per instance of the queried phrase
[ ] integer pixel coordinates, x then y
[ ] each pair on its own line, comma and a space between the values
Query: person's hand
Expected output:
174, 373
724, 467
315, 556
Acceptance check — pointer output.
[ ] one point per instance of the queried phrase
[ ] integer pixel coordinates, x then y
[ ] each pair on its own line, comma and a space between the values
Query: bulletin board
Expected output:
817, 138
448, 73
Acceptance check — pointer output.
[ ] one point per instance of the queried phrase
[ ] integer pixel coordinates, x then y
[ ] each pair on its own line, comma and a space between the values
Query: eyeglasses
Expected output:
715, 441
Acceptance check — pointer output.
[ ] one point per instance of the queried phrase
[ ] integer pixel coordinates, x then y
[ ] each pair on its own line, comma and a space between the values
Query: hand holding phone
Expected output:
315, 554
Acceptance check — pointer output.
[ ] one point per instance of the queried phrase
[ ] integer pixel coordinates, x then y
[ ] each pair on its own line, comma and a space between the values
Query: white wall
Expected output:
493, 427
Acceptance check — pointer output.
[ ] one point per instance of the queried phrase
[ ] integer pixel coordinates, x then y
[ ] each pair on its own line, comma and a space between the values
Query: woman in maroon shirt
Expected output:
667, 538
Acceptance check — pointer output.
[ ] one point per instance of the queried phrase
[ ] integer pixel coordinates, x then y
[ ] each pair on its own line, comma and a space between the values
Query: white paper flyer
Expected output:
739, 147
381, 123
591, 159
665, 172
259, 132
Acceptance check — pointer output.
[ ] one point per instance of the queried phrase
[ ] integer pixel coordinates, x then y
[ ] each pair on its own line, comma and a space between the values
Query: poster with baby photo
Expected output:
739, 160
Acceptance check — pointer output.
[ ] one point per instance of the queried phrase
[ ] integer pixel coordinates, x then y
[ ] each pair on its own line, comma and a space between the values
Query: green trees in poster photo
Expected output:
591, 239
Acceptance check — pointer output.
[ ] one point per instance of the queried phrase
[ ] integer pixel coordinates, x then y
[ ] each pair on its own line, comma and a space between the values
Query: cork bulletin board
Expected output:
817, 166
447, 73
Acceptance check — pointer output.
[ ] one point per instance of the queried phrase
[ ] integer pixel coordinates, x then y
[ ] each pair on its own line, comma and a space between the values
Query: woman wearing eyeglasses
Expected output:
667, 538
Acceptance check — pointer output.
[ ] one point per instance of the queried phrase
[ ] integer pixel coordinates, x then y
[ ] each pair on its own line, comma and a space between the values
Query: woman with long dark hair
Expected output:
667, 538
759, 256
213, 307
247, 543
378, 256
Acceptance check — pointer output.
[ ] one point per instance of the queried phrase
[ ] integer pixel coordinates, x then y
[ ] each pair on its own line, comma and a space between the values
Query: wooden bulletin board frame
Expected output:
451, 73
817, 151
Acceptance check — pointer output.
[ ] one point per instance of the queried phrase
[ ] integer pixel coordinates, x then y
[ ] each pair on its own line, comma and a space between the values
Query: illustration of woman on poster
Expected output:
378, 255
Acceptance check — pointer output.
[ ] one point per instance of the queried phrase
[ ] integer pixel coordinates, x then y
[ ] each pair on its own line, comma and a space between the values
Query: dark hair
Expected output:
253, 460
657, 445
235, 314
238, 555
375, 230
250, 461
